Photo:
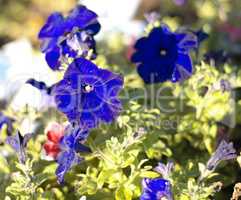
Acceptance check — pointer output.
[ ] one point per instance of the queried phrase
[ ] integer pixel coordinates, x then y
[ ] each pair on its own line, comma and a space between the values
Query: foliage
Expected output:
182, 122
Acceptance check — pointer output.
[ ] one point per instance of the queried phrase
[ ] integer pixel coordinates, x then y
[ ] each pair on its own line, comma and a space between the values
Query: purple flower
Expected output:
156, 189
19, 143
179, 2
88, 95
225, 151
225, 85
70, 145
164, 55
4, 120
164, 170
72, 36
152, 17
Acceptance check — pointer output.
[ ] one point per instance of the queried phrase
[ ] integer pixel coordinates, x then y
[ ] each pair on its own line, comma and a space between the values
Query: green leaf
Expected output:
149, 174
123, 193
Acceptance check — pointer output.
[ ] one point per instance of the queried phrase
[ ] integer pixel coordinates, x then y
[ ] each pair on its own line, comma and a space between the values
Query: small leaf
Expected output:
123, 193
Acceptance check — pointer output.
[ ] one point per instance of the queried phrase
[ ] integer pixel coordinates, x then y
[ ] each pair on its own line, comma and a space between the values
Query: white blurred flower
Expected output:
28, 125
24, 64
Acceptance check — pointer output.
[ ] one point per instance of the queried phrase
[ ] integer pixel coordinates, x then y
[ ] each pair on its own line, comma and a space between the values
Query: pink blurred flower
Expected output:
233, 32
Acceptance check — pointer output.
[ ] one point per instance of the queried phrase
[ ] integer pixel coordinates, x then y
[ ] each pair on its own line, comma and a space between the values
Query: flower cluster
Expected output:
87, 94
63, 145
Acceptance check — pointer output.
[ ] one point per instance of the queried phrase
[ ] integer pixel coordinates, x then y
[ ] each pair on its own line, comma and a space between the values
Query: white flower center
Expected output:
163, 52
88, 88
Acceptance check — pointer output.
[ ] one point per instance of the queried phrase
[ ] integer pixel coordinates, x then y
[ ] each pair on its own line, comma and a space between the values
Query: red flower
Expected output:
55, 132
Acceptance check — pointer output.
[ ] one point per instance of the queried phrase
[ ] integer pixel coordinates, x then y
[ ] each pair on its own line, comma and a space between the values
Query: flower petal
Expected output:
183, 69
83, 70
47, 44
93, 28
54, 26
66, 160
80, 17
88, 120
155, 189
51, 149
52, 58
186, 41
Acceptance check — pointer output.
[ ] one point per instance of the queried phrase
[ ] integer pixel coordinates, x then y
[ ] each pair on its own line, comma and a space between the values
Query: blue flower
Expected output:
88, 95
70, 145
72, 36
164, 55
4, 120
156, 189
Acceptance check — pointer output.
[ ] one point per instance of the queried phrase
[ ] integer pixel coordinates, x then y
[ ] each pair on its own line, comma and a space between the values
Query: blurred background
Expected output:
122, 22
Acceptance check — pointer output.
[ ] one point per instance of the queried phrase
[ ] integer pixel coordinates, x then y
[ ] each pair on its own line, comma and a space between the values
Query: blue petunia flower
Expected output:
71, 144
88, 95
156, 189
69, 37
164, 55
